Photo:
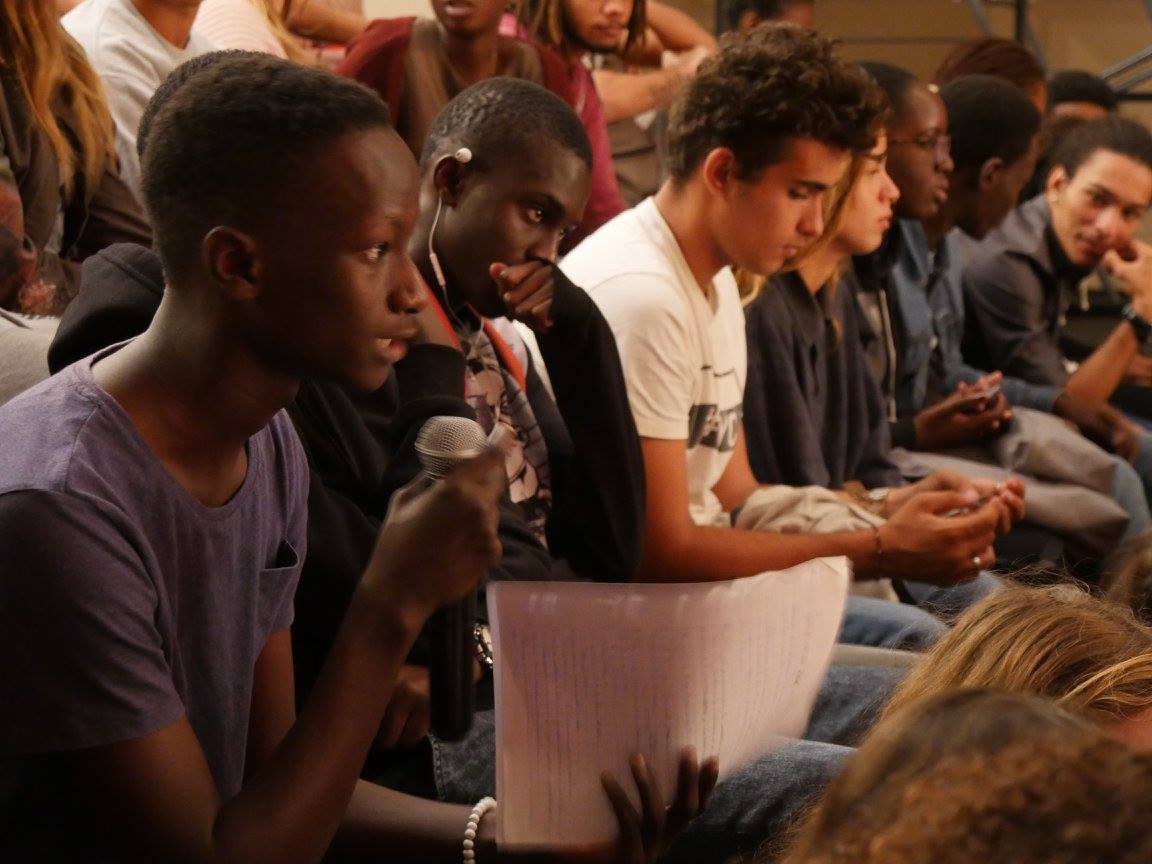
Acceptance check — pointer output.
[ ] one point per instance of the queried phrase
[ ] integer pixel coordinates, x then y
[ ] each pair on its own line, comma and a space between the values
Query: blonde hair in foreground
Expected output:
53, 72
1091, 656
990, 777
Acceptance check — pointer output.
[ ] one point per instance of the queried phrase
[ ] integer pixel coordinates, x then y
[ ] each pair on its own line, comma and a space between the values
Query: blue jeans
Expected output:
885, 624
1143, 466
756, 803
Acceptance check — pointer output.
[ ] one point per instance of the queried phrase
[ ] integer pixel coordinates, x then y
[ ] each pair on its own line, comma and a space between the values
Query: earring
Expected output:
463, 155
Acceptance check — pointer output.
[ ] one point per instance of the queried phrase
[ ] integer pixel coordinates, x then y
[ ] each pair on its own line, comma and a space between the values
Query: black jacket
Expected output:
812, 413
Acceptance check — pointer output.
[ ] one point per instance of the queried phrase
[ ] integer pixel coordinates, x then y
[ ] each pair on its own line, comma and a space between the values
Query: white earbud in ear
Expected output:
463, 155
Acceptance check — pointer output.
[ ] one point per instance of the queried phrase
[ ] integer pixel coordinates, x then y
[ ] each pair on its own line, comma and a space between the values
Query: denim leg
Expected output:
1143, 463
884, 624
850, 701
466, 770
1130, 488
951, 602
759, 803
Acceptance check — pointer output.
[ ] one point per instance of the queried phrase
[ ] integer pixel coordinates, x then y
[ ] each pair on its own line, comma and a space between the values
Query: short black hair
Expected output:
728, 12
1073, 85
173, 82
498, 117
225, 145
1115, 134
896, 82
988, 118
765, 89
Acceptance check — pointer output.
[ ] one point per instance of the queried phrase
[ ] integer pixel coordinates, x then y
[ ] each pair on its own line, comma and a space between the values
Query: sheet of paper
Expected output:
587, 674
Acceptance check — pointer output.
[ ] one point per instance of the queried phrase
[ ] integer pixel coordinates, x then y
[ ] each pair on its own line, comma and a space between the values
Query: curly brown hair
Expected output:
765, 89
1081, 801
981, 775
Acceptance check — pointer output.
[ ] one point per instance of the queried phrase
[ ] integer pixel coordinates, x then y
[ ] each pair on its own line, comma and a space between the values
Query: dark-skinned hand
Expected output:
526, 291
413, 541
958, 420
645, 836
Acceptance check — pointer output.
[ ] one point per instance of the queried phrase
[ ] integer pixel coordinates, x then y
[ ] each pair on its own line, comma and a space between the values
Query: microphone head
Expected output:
445, 442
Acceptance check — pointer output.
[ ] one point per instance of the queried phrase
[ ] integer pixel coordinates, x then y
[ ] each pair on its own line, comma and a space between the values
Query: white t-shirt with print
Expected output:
683, 350
131, 59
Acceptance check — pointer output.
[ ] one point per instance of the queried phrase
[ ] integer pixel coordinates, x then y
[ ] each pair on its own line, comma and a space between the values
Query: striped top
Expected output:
238, 24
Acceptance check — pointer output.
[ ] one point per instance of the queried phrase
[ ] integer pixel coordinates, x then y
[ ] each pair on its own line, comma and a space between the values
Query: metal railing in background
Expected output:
1133, 71
1023, 30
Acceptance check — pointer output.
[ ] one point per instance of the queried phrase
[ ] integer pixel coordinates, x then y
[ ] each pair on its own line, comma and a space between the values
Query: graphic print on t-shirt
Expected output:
709, 425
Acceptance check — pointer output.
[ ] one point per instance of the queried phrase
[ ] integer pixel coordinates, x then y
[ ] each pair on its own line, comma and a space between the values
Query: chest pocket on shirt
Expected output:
278, 588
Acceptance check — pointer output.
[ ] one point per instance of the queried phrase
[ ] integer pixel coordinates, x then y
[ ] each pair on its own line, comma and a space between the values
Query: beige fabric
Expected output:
1067, 479
811, 510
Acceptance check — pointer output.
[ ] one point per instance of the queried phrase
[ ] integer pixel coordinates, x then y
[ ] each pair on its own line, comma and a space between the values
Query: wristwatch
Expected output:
483, 639
1141, 326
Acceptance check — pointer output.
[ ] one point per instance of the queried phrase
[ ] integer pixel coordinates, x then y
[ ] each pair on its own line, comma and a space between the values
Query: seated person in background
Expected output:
133, 47
185, 426
278, 27
1073, 98
1022, 278
250, 25
744, 15
655, 67
973, 775
993, 127
1073, 93
418, 65
747, 192
57, 156
637, 82
24, 339
1000, 58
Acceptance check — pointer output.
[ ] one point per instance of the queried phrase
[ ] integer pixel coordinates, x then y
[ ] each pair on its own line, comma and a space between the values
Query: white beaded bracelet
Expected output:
484, 805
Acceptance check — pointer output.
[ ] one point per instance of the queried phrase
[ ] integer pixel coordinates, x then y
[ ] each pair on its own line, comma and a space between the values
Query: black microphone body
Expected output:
442, 443
451, 656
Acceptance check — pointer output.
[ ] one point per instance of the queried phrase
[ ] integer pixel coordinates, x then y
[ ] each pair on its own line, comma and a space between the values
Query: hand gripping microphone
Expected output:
441, 444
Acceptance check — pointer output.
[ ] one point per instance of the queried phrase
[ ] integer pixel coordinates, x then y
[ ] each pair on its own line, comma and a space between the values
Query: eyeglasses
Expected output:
937, 143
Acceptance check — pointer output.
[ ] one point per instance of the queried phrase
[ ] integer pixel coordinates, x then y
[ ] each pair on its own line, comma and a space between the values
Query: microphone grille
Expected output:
445, 442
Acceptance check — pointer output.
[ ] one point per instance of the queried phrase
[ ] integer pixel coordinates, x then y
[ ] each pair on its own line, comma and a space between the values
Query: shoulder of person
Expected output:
1020, 235
622, 246
381, 34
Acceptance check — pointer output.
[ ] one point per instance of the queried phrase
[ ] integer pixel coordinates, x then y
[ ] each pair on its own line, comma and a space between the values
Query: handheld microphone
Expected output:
441, 444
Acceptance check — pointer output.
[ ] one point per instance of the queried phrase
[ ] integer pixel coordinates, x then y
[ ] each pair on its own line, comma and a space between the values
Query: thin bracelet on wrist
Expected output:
879, 573
472, 828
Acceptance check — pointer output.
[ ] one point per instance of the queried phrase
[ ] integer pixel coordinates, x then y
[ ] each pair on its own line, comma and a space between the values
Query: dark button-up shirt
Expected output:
928, 291
812, 413
1017, 288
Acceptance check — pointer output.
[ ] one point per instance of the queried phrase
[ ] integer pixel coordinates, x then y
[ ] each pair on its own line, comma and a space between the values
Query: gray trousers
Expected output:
752, 806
